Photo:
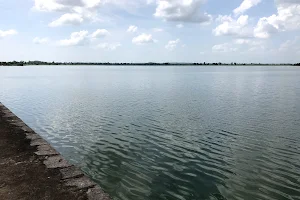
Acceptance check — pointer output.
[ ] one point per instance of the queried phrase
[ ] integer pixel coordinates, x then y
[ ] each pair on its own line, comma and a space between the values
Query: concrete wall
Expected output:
71, 176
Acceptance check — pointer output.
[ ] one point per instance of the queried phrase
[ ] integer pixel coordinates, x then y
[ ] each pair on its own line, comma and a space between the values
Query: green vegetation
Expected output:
22, 63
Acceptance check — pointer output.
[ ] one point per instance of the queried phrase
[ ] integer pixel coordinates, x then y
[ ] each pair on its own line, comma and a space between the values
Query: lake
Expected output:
168, 132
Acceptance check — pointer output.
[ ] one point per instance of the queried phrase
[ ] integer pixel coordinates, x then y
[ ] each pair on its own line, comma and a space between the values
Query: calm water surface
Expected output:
157, 133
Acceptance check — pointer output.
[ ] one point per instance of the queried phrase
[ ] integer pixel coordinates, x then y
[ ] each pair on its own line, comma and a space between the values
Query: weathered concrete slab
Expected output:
17, 123
97, 193
53, 162
38, 142
71, 172
13, 120
8, 115
32, 136
80, 183
46, 150
6, 110
26, 129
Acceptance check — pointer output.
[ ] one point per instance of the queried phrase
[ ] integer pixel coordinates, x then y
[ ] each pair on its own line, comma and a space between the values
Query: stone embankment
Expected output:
31, 169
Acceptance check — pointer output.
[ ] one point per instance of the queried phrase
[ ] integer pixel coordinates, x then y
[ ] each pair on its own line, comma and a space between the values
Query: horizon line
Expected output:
38, 62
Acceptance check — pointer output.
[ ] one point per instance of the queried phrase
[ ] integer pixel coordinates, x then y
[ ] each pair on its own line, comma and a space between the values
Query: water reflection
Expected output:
168, 132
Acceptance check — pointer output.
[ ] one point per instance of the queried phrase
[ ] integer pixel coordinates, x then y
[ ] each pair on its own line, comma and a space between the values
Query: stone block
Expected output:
97, 193
70, 172
80, 183
46, 150
53, 162
38, 142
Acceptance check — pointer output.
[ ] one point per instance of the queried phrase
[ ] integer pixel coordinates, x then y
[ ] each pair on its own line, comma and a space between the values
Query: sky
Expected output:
265, 31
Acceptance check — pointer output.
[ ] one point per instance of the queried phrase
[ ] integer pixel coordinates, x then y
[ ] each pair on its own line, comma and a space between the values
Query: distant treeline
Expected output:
22, 63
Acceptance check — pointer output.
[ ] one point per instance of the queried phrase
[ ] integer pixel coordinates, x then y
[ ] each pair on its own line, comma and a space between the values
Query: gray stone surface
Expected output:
46, 150
80, 183
18, 123
38, 142
8, 115
13, 120
53, 162
71, 172
5, 110
26, 129
33, 136
97, 193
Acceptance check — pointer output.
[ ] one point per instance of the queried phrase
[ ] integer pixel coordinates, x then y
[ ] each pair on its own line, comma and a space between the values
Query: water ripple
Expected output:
168, 133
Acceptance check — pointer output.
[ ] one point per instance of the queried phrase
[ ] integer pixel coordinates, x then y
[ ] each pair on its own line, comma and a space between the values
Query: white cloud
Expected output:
7, 33
229, 26
181, 10
290, 45
68, 19
225, 47
172, 44
245, 5
72, 6
100, 33
158, 30
87, 14
65, 5
264, 29
287, 18
48, 5
38, 40
242, 41
110, 47
179, 25
92, 3
143, 39
132, 29
251, 42
84, 38
74, 12
88, 10
76, 39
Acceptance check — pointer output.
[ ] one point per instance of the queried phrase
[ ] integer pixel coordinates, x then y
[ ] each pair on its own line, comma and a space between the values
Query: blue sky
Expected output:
150, 30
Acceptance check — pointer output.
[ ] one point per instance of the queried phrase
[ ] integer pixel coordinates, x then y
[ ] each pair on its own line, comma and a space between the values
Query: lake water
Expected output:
157, 133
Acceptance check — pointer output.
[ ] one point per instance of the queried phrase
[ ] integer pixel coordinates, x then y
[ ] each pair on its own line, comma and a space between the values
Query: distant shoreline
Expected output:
22, 63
